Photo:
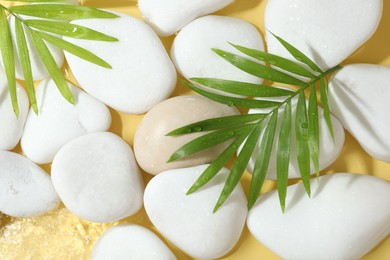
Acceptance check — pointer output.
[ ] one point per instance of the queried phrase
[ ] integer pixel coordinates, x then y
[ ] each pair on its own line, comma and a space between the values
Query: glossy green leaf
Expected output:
74, 49
302, 140
61, 12
216, 123
314, 130
239, 165
325, 105
276, 61
243, 88
51, 66
262, 159
69, 30
208, 140
233, 101
297, 54
259, 70
25, 63
7, 52
283, 154
218, 163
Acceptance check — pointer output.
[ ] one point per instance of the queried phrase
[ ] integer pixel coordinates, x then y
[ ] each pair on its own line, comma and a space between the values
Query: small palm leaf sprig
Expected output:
246, 130
47, 22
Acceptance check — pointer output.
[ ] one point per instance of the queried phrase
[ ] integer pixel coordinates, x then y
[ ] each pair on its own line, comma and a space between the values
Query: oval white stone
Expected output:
191, 50
359, 97
25, 189
39, 71
130, 242
11, 127
97, 178
153, 148
168, 17
327, 31
142, 74
188, 221
59, 121
329, 149
346, 217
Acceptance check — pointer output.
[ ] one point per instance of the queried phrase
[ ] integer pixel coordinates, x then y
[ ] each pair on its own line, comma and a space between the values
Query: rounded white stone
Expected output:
39, 71
142, 74
327, 31
347, 216
97, 178
11, 127
359, 97
59, 121
130, 242
168, 17
25, 189
153, 148
188, 221
329, 149
191, 50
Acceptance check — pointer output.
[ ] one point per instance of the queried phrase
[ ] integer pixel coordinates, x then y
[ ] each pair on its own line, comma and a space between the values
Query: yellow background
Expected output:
61, 235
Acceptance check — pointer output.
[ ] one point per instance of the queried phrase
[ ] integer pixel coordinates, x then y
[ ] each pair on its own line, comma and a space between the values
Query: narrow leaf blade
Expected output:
25, 63
216, 123
243, 88
302, 140
275, 60
232, 101
314, 131
325, 105
61, 12
297, 54
258, 69
74, 49
239, 166
7, 52
51, 66
69, 30
283, 155
262, 159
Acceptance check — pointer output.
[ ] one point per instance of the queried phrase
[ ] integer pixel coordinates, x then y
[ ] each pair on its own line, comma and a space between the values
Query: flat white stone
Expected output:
130, 242
97, 178
153, 148
191, 50
359, 97
168, 17
329, 149
25, 189
39, 71
142, 74
11, 127
327, 31
59, 121
188, 220
346, 217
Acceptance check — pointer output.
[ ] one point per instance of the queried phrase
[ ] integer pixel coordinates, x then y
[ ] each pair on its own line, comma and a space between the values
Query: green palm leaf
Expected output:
325, 105
314, 131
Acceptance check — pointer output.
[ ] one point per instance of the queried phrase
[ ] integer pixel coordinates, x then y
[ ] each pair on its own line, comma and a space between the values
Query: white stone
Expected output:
25, 189
130, 242
11, 127
39, 71
191, 50
347, 216
168, 17
359, 97
97, 178
142, 74
188, 221
59, 121
329, 149
327, 31
153, 148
